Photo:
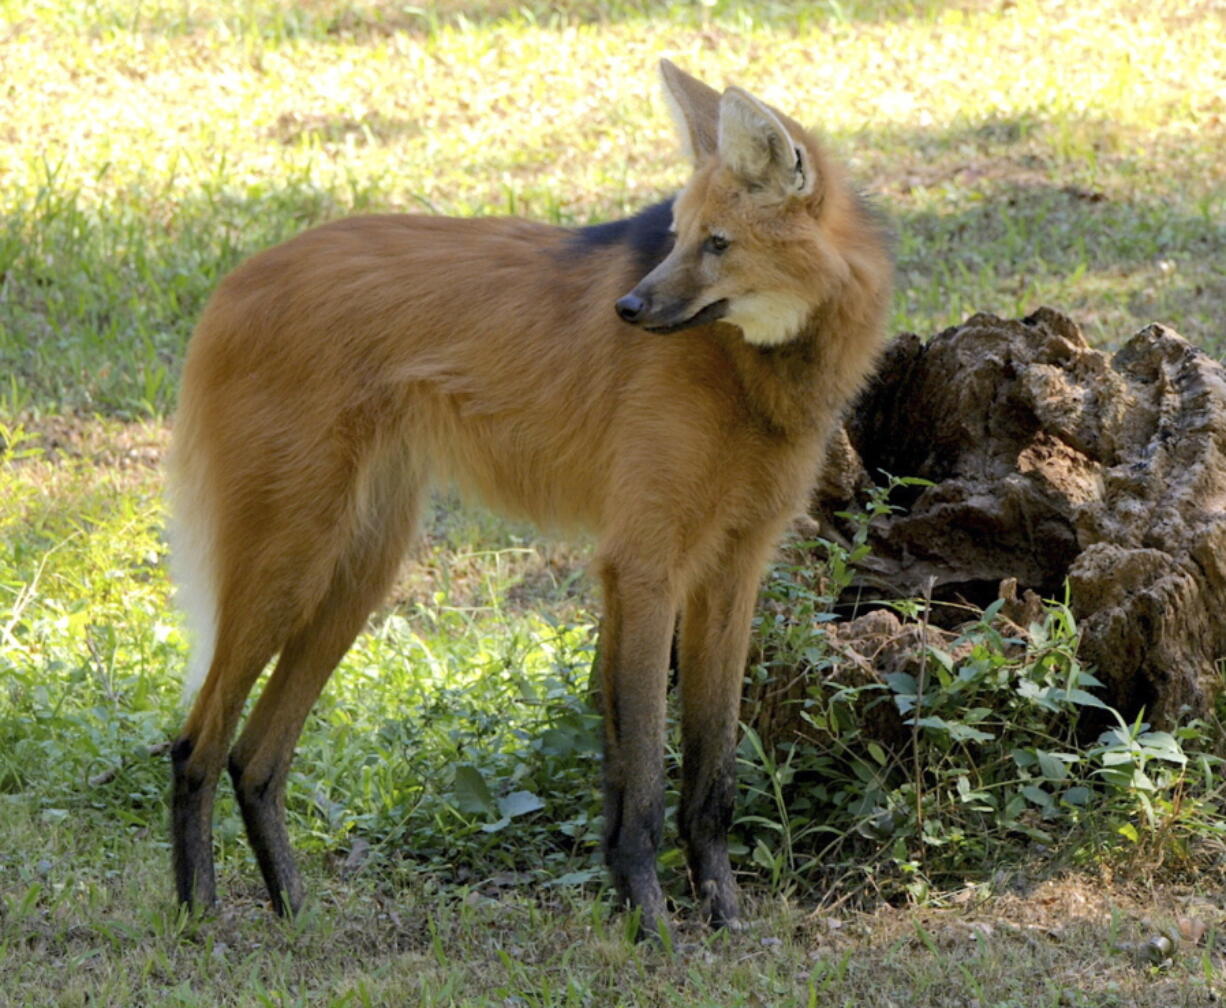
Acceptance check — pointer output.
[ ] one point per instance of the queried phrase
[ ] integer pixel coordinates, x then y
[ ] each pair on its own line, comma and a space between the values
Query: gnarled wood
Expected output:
1052, 461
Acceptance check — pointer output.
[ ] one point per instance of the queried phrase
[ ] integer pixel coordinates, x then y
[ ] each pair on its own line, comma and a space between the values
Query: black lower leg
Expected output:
708, 796
191, 808
262, 804
635, 637
631, 841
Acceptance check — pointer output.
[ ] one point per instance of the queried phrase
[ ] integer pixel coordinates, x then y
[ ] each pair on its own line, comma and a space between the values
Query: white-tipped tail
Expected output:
191, 535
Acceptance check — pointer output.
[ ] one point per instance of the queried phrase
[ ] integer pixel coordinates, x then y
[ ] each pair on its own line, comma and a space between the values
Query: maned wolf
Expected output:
334, 378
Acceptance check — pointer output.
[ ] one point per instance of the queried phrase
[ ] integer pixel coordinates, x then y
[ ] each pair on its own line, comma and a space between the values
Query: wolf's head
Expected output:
755, 226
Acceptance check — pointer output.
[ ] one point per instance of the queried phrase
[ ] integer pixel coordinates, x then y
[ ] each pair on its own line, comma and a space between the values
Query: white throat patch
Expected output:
768, 319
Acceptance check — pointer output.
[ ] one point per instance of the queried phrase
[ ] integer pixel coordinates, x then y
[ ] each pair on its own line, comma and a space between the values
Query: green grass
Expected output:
1023, 156
445, 794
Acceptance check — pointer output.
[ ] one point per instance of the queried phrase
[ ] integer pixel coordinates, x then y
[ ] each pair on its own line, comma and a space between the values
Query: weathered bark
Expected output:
1053, 462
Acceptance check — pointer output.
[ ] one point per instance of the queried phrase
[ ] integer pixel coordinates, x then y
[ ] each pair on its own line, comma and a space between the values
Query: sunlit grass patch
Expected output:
148, 149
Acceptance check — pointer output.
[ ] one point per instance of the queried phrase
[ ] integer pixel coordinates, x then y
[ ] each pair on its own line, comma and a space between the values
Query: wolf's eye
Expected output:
715, 244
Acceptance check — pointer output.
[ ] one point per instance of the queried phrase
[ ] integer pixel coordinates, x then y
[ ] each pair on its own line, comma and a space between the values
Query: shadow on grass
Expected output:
1114, 265
999, 215
369, 129
361, 19
779, 13
96, 303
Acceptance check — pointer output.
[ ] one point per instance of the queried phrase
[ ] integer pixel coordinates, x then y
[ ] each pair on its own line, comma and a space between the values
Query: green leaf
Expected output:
471, 793
496, 827
557, 742
1027, 689
1038, 796
980, 799
1083, 699
1141, 780
1162, 745
519, 803
1023, 757
944, 657
991, 611
1051, 767
1085, 678
576, 878
932, 721
955, 729
965, 733
763, 857
1078, 795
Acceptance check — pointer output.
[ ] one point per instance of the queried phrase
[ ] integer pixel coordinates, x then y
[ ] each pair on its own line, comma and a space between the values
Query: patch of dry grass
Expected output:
80, 936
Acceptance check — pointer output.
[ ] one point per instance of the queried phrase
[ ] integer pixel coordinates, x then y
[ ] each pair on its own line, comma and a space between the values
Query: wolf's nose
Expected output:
630, 308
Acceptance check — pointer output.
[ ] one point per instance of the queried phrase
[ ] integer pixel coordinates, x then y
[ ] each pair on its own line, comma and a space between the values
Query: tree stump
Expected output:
1053, 463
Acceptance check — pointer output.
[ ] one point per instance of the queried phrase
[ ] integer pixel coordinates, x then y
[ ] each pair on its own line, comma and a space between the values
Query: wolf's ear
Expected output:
756, 147
695, 109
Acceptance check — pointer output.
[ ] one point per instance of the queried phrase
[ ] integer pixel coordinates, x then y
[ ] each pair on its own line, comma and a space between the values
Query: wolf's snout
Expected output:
631, 308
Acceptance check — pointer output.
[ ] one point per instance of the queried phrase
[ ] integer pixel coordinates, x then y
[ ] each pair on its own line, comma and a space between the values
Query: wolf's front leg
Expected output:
714, 643
635, 637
